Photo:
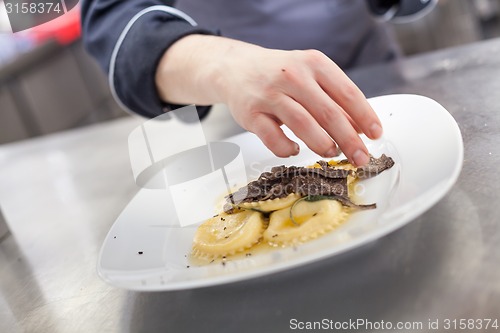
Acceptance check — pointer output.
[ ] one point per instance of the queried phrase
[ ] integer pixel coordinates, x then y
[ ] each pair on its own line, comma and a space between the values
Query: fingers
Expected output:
352, 122
334, 120
303, 124
270, 133
348, 96
311, 95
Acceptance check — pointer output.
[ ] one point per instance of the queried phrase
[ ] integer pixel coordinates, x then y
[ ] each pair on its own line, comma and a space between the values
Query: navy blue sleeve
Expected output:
128, 39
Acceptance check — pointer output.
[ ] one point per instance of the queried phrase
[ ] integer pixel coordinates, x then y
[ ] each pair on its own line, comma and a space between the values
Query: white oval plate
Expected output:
146, 249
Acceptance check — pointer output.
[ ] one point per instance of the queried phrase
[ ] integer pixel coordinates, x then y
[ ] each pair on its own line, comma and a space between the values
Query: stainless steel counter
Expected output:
60, 194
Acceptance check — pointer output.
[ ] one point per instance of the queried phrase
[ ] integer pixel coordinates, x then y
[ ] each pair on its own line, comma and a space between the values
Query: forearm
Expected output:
196, 69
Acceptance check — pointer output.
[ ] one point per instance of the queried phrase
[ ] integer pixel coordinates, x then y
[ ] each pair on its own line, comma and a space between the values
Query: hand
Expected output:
308, 93
266, 88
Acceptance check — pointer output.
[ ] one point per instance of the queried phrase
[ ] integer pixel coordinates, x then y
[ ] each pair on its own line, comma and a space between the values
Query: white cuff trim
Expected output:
119, 42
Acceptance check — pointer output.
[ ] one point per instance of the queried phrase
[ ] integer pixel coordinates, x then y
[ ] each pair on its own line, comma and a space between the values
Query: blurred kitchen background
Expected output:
49, 84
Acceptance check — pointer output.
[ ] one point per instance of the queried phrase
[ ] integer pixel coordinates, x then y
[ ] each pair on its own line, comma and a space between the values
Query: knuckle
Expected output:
267, 137
253, 109
266, 133
270, 93
349, 142
324, 115
298, 118
313, 56
350, 93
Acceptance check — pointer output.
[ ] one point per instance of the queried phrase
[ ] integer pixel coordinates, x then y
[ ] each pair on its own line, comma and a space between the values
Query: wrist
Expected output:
203, 69
183, 74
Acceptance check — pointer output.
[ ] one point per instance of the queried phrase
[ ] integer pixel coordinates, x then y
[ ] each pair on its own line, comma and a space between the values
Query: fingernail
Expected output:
376, 131
360, 158
296, 150
332, 152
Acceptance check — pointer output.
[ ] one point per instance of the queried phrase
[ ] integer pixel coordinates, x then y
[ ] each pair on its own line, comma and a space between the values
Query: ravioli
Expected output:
285, 206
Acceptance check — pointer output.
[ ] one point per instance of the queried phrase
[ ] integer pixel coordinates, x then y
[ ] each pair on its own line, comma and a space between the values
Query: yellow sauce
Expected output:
263, 246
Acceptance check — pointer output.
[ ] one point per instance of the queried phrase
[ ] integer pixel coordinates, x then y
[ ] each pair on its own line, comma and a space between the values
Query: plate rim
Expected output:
397, 222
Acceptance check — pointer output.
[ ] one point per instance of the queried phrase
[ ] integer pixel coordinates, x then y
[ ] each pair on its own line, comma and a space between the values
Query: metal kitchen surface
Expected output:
60, 194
